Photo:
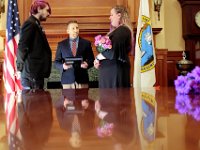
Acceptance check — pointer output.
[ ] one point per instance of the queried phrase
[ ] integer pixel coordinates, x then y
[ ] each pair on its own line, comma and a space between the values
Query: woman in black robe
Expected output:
114, 64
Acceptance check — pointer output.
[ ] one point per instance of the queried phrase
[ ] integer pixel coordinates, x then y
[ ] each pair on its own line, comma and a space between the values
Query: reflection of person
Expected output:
74, 76
114, 64
118, 112
35, 107
75, 113
34, 53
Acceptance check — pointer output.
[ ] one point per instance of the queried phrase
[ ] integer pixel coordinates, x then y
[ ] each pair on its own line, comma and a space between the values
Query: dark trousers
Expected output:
31, 83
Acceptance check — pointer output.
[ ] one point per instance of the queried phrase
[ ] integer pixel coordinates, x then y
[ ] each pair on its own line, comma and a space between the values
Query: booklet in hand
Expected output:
73, 60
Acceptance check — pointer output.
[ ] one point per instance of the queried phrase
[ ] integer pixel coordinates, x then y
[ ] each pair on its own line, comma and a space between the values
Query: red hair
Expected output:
39, 4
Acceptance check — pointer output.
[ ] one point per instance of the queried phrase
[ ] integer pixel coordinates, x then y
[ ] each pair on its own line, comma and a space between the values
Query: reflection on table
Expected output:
102, 119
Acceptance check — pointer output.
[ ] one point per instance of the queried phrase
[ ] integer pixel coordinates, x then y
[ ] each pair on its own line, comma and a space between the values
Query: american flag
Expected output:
12, 38
13, 132
12, 84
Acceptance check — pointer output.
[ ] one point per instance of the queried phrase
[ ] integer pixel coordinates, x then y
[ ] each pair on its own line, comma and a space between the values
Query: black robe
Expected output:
114, 71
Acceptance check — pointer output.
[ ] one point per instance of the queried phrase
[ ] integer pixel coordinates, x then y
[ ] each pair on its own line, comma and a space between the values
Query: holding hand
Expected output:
84, 65
65, 66
96, 63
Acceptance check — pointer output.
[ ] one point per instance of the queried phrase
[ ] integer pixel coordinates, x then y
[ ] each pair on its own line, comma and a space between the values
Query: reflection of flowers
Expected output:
188, 104
102, 43
105, 129
189, 83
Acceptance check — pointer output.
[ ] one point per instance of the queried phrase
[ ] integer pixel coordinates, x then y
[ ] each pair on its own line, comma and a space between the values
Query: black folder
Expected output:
72, 60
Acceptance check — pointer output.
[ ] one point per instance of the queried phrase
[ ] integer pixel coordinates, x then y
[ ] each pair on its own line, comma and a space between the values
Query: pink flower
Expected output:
102, 43
105, 129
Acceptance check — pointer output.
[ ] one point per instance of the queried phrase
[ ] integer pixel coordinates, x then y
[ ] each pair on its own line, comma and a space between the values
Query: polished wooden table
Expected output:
102, 119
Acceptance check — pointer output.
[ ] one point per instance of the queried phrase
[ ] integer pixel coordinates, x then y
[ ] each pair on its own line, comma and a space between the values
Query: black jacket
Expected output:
34, 56
76, 73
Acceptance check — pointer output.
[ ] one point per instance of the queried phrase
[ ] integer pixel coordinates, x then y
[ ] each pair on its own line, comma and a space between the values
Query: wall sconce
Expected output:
157, 5
2, 6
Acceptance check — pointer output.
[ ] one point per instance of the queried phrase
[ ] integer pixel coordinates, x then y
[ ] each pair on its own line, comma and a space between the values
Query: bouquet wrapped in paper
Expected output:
102, 43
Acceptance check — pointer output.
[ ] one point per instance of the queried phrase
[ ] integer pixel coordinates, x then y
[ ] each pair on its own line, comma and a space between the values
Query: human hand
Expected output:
66, 102
65, 66
97, 106
84, 65
96, 63
85, 103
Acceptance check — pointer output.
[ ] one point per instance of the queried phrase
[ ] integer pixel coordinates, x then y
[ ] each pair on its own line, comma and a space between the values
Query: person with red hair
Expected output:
34, 54
39, 3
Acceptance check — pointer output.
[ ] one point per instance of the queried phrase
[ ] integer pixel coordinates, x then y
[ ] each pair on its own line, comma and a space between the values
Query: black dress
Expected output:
114, 71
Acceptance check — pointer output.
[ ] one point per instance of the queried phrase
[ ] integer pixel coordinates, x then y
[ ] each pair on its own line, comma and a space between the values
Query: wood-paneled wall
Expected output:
161, 65
91, 14
93, 18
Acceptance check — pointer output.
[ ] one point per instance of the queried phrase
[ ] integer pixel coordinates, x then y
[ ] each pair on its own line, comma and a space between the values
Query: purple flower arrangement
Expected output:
189, 84
188, 93
188, 104
102, 43
105, 129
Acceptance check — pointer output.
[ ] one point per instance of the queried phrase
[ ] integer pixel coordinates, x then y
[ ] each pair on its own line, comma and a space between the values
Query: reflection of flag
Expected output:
12, 38
146, 110
144, 65
13, 132
148, 123
15, 143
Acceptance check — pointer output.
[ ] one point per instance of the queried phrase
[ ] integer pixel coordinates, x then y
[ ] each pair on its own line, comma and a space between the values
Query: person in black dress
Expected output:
114, 64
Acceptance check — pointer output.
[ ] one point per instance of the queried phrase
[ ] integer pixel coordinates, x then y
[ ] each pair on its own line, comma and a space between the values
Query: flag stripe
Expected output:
11, 83
12, 37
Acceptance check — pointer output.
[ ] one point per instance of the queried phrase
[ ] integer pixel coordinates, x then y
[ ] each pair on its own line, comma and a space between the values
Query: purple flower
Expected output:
183, 103
188, 104
196, 87
196, 114
189, 84
196, 72
181, 85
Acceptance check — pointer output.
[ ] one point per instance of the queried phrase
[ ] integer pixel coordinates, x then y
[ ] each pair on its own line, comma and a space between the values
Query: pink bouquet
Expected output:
105, 129
102, 43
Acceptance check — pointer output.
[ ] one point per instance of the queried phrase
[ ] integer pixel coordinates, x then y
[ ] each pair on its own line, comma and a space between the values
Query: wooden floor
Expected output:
100, 119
